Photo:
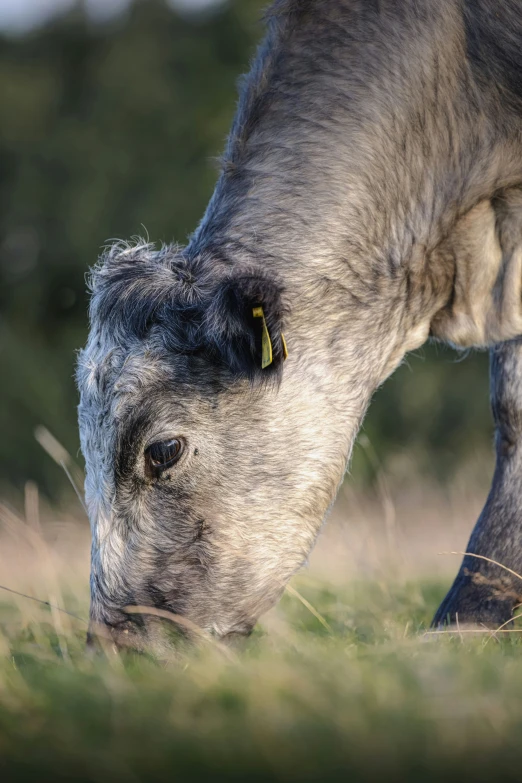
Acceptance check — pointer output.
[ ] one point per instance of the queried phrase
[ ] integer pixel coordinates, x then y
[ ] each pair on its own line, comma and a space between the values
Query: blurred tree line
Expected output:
110, 131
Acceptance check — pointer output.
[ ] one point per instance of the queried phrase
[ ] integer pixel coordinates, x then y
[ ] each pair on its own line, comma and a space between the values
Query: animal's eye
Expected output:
163, 454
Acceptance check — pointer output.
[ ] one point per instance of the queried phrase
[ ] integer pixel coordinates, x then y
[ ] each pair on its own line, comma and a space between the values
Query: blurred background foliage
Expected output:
111, 130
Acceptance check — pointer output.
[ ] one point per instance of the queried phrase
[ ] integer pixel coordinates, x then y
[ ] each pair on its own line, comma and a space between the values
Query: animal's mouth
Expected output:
237, 632
110, 636
235, 638
155, 630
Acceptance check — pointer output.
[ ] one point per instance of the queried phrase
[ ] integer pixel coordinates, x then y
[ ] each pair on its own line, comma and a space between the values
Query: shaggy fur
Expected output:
202, 305
369, 197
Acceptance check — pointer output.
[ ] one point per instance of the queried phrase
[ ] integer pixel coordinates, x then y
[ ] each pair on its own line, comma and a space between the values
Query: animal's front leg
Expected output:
484, 592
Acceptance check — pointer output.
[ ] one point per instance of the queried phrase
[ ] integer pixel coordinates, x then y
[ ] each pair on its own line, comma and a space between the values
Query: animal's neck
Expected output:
351, 139
345, 165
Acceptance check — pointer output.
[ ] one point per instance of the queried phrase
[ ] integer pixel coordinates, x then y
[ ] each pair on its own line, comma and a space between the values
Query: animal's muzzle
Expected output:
116, 630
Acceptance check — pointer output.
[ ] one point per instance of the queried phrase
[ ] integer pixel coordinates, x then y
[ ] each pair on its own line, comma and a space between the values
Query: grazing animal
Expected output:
370, 197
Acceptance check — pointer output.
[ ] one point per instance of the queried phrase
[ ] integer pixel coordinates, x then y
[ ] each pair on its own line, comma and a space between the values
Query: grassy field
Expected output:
341, 681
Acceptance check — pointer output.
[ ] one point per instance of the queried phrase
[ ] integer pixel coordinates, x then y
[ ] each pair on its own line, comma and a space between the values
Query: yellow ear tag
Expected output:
266, 343
285, 349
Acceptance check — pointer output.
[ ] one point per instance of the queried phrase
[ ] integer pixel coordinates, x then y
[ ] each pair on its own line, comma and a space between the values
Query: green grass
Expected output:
371, 698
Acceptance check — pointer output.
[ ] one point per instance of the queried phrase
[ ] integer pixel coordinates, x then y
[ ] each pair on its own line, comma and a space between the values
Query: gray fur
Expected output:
371, 139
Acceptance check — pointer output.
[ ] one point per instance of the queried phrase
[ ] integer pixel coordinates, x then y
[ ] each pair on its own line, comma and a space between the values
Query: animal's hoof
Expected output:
475, 600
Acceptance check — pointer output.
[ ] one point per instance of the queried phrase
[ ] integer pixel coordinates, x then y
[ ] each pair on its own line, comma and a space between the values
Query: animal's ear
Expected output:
244, 324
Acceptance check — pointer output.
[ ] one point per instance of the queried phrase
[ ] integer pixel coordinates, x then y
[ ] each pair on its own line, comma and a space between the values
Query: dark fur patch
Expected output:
493, 35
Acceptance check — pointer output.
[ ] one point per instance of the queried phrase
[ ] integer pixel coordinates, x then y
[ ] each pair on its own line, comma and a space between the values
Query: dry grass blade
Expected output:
16, 527
185, 623
458, 632
487, 559
511, 619
388, 506
62, 457
53, 447
309, 606
45, 603
73, 484
32, 506
458, 626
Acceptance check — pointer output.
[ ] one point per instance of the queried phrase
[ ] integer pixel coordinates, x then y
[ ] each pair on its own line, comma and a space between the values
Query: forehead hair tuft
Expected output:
134, 286
191, 303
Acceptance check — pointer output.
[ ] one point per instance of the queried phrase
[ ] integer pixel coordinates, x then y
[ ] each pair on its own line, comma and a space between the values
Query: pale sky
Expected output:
20, 15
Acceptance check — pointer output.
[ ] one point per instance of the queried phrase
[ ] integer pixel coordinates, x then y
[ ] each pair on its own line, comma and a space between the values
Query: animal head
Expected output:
210, 464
